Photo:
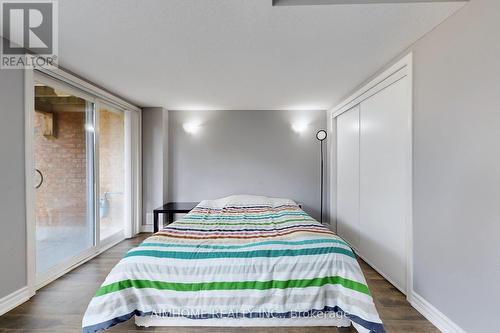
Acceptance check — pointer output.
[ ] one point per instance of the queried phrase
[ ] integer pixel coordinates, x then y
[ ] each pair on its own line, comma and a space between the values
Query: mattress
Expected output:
242, 257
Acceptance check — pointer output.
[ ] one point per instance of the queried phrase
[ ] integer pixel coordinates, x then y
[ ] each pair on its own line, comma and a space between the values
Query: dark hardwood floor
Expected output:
59, 306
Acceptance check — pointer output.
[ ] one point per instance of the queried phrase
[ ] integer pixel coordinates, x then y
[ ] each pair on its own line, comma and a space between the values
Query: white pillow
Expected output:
246, 200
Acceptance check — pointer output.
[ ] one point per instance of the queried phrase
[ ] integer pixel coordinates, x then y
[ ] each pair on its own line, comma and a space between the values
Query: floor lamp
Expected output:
321, 136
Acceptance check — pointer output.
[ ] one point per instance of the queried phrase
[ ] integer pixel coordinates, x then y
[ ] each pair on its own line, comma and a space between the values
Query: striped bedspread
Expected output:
231, 258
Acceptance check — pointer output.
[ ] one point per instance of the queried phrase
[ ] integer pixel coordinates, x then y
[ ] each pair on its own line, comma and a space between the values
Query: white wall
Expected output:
12, 183
250, 152
154, 160
457, 166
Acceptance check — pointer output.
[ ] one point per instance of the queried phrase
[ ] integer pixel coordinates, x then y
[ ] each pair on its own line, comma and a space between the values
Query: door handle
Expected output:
40, 175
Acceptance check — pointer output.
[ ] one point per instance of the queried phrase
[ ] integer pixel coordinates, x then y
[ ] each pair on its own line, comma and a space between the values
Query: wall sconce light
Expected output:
299, 126
191, 127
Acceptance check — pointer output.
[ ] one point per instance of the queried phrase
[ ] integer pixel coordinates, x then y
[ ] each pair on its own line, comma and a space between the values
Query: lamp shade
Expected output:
321, 135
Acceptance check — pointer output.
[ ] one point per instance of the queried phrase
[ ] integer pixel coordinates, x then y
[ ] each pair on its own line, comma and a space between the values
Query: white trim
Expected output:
97, 174
381, 81
332, 153
29, 166
14, 299
137, 171
146, 228
129, 189
436, 317
408, 60
403, 68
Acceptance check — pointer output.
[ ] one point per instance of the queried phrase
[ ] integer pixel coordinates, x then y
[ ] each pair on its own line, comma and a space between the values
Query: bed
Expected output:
237, 261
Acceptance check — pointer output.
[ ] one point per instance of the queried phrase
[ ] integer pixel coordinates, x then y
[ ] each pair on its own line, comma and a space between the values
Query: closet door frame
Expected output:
401, 69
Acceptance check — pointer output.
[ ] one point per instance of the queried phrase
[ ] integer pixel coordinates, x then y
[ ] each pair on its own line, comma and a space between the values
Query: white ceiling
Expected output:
236, 54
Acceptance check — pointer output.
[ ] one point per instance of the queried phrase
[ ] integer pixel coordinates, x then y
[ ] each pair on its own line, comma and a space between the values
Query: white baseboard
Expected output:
146, 228
149, 218
436, 317
14, 299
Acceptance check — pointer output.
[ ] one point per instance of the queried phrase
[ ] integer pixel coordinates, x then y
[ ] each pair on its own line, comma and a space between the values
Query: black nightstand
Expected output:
170, 209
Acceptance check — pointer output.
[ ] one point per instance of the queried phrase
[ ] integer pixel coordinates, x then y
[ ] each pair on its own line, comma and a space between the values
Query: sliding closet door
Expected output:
348, 176
384, 156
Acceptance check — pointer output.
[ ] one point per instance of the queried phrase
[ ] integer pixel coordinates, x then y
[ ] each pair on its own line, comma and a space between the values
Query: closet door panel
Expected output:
384, 153
348, 176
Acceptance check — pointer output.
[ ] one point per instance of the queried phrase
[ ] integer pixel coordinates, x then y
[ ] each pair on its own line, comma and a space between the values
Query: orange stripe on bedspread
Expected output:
164, 234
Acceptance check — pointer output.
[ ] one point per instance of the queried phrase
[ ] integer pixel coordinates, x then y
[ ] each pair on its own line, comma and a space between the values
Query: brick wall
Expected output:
61, 200
111, 166
62, 160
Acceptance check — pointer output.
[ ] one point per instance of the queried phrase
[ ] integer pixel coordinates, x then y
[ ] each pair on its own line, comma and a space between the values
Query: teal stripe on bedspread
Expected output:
246, 254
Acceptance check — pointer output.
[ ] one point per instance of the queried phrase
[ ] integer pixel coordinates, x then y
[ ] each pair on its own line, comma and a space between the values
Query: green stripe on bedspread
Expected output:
222, 259
234, 285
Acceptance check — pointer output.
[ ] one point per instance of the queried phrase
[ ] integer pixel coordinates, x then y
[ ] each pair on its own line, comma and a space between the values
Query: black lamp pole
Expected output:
321, 136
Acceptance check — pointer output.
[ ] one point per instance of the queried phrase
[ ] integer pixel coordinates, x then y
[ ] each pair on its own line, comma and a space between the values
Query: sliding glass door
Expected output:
64, 177
86, 186
112, 180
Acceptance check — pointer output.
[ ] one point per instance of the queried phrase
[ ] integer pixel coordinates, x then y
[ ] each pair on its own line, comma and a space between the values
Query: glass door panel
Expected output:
64, 150
112, 184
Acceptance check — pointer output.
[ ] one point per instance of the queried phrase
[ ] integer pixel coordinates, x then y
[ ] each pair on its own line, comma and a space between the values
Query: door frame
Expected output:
399, 70
92, 93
